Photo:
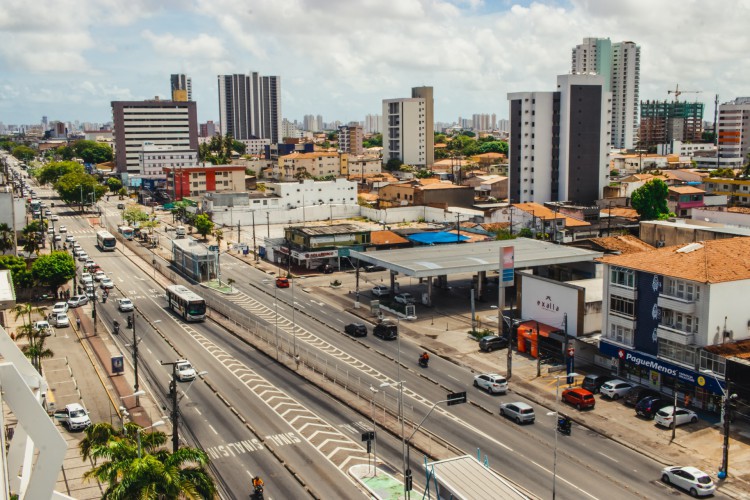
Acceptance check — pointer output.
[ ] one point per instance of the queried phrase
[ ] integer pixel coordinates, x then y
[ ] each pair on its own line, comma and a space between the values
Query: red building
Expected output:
182, 182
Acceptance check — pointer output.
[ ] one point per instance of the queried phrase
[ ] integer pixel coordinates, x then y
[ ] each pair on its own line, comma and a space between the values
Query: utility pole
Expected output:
268, 225
255, 246
175, 413
239, 234
93, 311
135, 359
728, 396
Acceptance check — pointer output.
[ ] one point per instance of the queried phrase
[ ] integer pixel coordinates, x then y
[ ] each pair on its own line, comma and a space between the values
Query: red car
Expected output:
282, 282
580, 398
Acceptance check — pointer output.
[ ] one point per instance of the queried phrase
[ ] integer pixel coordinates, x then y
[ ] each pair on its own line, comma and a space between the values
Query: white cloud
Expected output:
340, 58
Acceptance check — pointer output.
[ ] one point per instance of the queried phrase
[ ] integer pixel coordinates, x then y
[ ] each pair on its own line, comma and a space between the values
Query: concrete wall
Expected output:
721, 217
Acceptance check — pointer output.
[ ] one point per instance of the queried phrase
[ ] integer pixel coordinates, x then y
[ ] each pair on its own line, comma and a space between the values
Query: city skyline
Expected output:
471, 52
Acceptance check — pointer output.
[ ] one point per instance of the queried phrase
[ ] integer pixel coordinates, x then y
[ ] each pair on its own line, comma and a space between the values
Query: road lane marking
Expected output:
212, 428
607, 456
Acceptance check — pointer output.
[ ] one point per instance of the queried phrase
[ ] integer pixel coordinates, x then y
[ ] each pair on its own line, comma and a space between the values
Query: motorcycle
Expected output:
564, 425
258, 492
130, 322
116, 327
423, 362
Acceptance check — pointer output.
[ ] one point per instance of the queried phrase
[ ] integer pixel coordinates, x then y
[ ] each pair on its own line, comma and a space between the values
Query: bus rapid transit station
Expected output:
558, 308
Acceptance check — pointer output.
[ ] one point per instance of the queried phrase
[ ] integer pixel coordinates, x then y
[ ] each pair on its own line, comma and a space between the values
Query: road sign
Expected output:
213, 248
456, 398
368, 436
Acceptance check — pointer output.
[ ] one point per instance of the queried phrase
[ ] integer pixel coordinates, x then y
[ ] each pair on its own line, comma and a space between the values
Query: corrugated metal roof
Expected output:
467, 478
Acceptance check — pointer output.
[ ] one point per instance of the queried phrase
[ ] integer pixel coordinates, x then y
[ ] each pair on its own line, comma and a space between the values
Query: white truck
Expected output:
74, 417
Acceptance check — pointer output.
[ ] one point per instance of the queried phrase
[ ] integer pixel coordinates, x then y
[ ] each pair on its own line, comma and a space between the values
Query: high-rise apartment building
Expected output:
482, 122
250, 106
374, 124
559, 141
734, 132
408, 128
620, 64
162, 123
664, 122
182, 87
350, 139
312, 123
208, 129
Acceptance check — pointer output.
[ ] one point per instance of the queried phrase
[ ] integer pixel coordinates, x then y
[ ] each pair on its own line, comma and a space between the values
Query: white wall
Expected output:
6, 211
721, 217
548, 302
724, 307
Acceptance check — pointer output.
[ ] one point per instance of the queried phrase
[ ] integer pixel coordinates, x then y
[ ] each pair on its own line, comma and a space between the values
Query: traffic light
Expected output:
409, 480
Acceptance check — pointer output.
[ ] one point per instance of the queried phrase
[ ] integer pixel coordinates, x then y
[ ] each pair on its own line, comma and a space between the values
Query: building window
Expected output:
677, 352
622, 306
622, 277
682, 289
620, 334
679, 321
713, 362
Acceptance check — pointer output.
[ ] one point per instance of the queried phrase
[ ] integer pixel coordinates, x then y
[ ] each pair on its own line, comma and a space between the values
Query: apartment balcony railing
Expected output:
675, 334
676, 304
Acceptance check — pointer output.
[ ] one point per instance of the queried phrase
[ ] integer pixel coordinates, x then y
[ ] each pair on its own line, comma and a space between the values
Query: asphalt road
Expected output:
588, 465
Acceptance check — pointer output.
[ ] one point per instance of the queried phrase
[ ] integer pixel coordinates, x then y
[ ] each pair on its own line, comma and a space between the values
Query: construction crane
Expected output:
677, 92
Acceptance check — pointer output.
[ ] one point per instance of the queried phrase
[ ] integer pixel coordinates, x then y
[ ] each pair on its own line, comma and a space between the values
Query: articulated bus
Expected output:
188, 304
126, 232
105, 241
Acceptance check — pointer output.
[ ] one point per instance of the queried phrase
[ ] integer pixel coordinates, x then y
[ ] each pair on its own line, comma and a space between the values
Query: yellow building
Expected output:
310, 165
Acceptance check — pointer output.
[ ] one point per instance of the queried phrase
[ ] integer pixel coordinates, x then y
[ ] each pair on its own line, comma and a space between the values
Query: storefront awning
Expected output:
530, 328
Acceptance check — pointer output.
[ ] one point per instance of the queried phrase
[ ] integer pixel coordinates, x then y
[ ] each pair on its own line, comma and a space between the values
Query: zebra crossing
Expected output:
330, 442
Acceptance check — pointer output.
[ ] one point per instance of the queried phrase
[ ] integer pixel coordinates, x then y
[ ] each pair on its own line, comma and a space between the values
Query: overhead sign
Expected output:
508, 260
548, 302
213, 248
314, 255
118, 365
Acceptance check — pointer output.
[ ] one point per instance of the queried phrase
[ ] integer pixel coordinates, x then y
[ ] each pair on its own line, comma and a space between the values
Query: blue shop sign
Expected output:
686, 375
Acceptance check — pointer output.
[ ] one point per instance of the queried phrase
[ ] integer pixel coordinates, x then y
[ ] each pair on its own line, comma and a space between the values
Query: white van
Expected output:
49, 402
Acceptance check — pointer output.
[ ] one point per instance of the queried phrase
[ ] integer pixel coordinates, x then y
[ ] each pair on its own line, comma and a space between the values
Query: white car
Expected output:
69, 239
381, 291
691, 479
125, 305
77, 300
74, 417
83, 257
681, 416
615, 389
60, 307
87, 280
185, 371
60, 320
107, 283
99, 275
492, 383
54, 217
63, 229
404, 298
43, 328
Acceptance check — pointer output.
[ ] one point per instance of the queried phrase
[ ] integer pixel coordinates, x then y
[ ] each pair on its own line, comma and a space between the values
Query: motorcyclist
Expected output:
116, 325
257, 483
563, 422
424, 358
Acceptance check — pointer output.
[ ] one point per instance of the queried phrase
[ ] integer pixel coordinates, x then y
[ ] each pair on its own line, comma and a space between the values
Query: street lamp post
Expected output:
374, 445
727, 397
175, 412
554, 427
158, 423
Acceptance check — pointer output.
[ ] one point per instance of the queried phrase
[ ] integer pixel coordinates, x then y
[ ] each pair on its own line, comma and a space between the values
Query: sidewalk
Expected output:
445, 334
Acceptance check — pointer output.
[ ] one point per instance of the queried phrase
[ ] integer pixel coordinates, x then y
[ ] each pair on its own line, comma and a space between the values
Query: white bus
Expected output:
105, 241
126, 232
188, 304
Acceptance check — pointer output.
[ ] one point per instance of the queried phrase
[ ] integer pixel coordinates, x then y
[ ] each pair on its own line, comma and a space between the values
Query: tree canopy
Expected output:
203, 225
19, 270
650, 200
114, 184
134, 214
92, 151
375, 141
219, 149
393, 164
493, 147
75, 188
54, 269
723, 173
6, 237
51, 173
23, 153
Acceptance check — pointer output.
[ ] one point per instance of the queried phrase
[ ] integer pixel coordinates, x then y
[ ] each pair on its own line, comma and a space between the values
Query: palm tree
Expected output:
156, 474
6, 237
35, 350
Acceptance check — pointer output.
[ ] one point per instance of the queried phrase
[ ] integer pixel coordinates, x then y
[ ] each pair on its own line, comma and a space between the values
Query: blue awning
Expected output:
436, 238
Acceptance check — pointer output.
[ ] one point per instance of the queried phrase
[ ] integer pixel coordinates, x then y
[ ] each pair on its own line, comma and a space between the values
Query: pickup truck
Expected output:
74, 417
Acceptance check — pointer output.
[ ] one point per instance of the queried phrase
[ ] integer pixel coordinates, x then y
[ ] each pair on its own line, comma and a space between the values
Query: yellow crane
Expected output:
677, 92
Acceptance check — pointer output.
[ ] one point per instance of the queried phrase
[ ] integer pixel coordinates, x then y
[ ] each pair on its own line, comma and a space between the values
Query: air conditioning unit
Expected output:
660, 244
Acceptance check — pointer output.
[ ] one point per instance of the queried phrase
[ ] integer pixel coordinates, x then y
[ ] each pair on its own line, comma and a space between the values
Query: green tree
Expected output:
6, 237
239, 147
52, 172
122, 192
493, 147
372, 142
7, 145
35, 349
439, 138
19, 270
78, 187
722, 173
504, 234
203, 225
32, 235
24, 153
393, 164
65, 153
92, 151
650, 200
114, 184
54, 269
155, 474
134, 214
525, 232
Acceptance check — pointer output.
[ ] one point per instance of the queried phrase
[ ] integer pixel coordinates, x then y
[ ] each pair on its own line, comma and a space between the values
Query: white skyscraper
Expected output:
620, 64
408, 128
734, 132
250, 106
559, 142
373, 124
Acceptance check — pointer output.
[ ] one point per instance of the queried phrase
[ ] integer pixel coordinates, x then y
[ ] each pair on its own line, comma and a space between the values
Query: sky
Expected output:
68, 59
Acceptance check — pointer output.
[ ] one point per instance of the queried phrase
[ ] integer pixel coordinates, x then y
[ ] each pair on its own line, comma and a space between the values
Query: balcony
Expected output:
671, 332
676, 304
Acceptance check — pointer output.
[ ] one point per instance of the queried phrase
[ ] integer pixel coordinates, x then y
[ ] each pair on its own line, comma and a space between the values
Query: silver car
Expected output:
492, 383
522, 413
615, 389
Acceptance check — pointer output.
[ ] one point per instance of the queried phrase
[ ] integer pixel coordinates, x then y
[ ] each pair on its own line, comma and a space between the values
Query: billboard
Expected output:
508, 259
547, 301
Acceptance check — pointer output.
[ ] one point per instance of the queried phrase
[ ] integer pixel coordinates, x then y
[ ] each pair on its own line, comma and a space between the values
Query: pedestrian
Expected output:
78, 323
688, 400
